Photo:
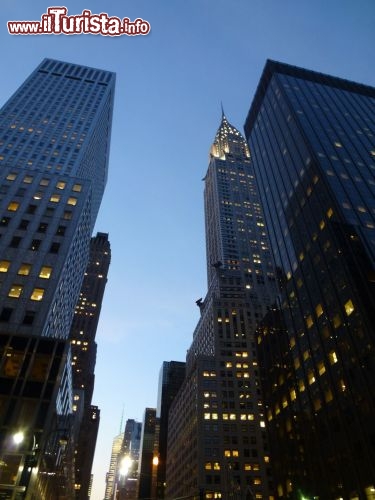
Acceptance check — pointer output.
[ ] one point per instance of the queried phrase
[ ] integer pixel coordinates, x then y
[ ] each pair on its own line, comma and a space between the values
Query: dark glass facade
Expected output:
312, 138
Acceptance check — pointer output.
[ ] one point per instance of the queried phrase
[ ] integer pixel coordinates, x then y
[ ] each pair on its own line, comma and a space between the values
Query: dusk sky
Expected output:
169, 87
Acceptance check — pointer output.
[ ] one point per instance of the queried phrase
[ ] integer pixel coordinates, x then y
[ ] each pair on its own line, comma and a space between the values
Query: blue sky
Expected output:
169, 87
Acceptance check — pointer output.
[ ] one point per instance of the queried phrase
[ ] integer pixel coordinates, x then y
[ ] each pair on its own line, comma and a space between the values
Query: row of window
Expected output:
28, 179
13, 206
16, 291
25, 269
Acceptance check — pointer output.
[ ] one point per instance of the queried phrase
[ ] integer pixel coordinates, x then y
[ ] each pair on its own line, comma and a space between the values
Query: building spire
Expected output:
122, 419
228, 140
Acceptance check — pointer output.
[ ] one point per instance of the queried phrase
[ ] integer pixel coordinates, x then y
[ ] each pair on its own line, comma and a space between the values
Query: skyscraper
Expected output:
113, 467
172, 374
147, 452
84, 348
54, 147
217, 445
312, 138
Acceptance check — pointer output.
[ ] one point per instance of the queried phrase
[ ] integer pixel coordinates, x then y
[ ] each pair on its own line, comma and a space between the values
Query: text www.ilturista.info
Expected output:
57, 22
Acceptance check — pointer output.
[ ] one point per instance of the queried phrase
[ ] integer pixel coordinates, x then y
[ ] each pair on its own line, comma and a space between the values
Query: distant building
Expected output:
113, 466
217, 444
312, 138
128, 462
54, 148
84, 349
172, 374
147, 467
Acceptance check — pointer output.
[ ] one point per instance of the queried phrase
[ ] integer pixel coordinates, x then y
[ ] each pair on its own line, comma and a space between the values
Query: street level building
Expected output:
217, 443
54, 148
312, 138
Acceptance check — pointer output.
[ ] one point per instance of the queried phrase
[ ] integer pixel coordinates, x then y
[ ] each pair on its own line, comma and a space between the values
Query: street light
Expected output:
18, 437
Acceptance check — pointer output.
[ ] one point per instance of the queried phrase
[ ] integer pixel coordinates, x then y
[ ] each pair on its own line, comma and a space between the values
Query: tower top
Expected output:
228, 140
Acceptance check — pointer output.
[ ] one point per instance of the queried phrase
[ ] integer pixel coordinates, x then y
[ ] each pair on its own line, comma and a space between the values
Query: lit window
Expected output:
321, 368
349, 307
61, 185
77, 188
15, 291
336, 321
309, 322
24, 269
293, 394
332, 357
208, 466
13, 206
262, 423
28, 179
72, 201
37, 294
44, 182
11, 177
311, 377
55, 198
329, 213
4, 266
67, 215
338, 144
328, 395
319, 310
45, 272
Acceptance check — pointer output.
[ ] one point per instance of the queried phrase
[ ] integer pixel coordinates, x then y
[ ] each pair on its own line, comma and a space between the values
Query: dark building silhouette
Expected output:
147, 467
312, 138
54, 148
171, 376
84, 349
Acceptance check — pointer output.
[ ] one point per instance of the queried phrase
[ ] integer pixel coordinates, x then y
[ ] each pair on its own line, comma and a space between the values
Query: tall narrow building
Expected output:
113, 467
54, 148
312, 138
172, 375
217, 445
84, 347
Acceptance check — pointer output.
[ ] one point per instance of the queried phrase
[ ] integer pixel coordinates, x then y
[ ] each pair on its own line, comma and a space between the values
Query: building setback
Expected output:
312, 137
84, 347
217, 445
54, 147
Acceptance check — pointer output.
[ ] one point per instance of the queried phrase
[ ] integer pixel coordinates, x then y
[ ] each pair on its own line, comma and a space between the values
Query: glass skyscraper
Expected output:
217, 444
54, 147
312, 138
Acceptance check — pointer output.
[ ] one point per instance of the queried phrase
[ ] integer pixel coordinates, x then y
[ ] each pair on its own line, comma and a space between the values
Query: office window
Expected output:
77, 188
15, 291
349, 307
28, 179
55, 198
45, 272
13, 206
35, 244
4, 266
61, 185
24, 269
37, 294
72, 201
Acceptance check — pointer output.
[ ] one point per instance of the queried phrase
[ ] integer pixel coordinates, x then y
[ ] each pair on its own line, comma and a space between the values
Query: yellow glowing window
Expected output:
228, 364
235, 453
329, 213
28, 179
301, 385
257, 480
45, 272
328, 395
336, 321
332, 356
55, 198
322, 224
306, 355
311, 377
250, 416
13, 206
37, 294
11, 177
349, 307
321, 368
227, 453
247, 466
338, 144
216, 466
208, 466
342, 385
15, 291
232, 416
262, 423
4, 266
77, 188
72, 201
297, 363
24, 269
317, 404
292, 342
61, 185
284, 403
293, 394
319, 310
